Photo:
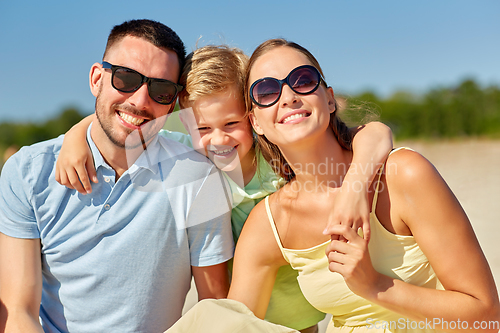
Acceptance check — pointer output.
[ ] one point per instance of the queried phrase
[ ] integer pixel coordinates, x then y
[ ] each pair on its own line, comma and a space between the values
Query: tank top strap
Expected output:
275, 230
380, 171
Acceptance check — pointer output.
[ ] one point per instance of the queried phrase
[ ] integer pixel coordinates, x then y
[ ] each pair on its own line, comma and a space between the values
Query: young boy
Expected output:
214, 114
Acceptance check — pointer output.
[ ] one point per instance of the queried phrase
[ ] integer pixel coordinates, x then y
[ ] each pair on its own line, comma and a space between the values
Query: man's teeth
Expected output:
131, 120
223, 152
295, 116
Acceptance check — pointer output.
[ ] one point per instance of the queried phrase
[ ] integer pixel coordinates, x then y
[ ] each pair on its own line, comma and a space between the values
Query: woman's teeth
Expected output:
223, 152
295, 116
130, 119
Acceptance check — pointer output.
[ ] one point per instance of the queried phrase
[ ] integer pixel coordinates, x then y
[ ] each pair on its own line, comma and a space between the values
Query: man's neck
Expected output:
120, 159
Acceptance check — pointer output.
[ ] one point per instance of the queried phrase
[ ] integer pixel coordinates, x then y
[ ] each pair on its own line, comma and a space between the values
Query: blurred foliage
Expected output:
23, 134
461, 111
15, 135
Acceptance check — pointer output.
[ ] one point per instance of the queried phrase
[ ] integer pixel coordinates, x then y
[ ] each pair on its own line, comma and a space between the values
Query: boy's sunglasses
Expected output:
127, 80
303, 80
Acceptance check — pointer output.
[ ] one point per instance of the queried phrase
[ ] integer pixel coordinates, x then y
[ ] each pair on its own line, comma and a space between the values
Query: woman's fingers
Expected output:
343, 232
362, 221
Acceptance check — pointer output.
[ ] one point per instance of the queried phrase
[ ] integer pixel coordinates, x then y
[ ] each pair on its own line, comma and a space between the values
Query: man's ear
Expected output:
255, 124
331, 99
95, 78
172, 107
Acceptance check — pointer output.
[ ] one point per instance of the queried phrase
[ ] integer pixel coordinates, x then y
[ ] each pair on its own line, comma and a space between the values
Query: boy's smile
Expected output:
223, 131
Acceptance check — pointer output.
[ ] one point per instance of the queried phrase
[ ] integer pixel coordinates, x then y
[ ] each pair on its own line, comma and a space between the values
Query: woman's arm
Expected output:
75, 164
422, 201
371, 145
256, 262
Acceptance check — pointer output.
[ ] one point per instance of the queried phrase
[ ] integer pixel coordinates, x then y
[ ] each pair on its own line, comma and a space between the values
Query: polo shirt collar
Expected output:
98, 159
156, 152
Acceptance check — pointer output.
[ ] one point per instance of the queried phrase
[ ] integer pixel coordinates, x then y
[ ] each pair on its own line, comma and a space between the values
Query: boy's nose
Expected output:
219, 138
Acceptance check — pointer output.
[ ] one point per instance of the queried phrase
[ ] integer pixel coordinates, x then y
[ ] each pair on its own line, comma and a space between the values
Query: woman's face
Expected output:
294, 118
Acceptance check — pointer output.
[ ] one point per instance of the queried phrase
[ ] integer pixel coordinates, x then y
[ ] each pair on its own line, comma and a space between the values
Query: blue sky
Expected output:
47, 48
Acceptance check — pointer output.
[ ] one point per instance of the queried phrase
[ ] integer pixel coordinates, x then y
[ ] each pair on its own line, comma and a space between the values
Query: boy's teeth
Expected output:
131, 120
223, 152
295, 116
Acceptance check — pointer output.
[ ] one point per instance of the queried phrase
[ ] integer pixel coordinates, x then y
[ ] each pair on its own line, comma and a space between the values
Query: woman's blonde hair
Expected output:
269, 150
210, 70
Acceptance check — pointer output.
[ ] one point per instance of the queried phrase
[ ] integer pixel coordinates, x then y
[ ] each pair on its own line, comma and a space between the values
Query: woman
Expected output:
422, 268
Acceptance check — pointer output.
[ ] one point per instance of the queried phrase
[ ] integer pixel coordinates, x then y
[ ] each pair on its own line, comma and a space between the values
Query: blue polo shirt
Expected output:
118, 259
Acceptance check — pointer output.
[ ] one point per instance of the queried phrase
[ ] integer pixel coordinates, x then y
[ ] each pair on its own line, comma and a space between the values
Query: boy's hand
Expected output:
350, 208
75, 168
75, 164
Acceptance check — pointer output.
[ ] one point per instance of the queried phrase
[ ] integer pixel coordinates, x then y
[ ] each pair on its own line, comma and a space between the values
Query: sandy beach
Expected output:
472, 170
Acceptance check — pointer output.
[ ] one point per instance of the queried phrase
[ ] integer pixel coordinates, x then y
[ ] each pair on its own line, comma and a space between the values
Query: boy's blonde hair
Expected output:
210, 70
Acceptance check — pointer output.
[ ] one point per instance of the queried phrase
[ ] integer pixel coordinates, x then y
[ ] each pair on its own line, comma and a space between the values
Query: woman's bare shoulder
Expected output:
257, 235
408, 167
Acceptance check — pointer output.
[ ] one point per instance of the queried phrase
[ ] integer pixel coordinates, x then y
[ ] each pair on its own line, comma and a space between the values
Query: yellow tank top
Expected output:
393, 255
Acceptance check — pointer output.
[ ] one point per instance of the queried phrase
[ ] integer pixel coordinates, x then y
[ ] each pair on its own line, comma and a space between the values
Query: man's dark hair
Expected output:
154, 32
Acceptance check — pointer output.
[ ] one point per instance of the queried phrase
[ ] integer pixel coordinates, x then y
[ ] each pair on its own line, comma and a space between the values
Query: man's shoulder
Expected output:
40, 155
183, 138
179, 151
181, 162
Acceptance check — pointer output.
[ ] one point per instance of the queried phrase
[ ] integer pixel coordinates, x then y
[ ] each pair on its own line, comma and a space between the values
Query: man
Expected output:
119, 259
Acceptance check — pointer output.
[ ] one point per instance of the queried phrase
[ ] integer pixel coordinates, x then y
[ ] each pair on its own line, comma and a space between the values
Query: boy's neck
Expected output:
244, 175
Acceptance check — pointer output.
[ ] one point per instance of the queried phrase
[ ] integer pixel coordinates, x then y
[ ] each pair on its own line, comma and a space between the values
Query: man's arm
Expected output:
211, 281
20, 284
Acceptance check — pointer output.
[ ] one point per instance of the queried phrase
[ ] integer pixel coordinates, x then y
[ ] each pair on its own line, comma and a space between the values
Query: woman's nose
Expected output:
288, 96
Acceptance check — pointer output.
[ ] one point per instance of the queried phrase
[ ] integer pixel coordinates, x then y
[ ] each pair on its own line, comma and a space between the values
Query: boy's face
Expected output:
222, 131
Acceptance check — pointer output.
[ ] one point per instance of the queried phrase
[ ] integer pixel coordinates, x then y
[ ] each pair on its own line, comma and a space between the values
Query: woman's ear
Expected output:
255, 124
331, 100
95, 77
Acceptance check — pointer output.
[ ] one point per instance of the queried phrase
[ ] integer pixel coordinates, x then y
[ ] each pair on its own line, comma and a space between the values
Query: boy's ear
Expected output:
255, 124
95, 78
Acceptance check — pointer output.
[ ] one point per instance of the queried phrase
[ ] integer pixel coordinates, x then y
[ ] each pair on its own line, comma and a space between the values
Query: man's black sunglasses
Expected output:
127, 80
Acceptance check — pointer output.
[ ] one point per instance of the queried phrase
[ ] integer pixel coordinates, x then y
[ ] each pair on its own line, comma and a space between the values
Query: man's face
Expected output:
119, 113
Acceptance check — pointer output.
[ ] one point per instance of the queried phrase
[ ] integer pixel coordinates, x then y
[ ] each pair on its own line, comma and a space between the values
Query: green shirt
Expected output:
287, 305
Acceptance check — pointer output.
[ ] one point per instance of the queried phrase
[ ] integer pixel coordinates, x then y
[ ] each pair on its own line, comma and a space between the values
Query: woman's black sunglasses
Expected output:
303, 80
127, 80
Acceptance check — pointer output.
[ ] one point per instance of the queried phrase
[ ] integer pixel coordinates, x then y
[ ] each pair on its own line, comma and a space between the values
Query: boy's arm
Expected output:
371, 146
20, 284
211, 281
75, 164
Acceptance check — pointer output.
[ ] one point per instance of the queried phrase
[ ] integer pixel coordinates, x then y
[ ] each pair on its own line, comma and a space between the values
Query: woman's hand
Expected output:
75, 164
351, 259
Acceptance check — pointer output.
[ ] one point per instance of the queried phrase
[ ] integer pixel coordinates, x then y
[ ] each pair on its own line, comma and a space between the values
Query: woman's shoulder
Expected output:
258, 230
408, 165
410, 174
